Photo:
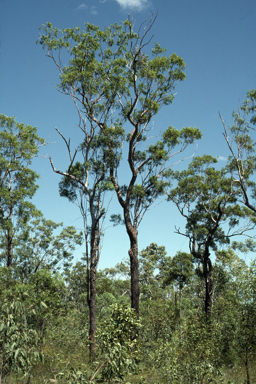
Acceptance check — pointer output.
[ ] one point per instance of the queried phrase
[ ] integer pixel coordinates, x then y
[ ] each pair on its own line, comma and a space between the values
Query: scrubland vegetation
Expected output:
44, 324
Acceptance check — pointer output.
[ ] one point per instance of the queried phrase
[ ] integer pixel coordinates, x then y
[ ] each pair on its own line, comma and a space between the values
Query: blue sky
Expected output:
215, 38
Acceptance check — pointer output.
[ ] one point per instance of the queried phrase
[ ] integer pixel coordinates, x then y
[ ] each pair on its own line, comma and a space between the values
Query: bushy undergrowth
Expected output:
44, 336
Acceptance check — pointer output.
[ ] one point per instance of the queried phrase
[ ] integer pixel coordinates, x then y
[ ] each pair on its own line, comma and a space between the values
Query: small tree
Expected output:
180, 271
19, 143
152, 260
207, 199
118, 356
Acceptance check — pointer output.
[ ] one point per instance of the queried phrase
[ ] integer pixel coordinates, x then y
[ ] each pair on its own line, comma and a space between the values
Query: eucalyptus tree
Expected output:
36, 247
19, 143
180, 272
240, 139
152, 261
114, 82
85, 183
208, 200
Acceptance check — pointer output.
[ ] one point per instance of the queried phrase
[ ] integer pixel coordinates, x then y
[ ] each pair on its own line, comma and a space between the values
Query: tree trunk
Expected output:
180, 303
180, 315
208, 277
92, 309
9, 248
94, 258
134, 262
247, 364
135, 285
87, 273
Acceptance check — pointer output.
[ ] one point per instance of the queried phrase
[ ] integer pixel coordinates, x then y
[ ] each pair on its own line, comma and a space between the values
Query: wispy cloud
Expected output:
82, 7
94, 10
139, 4
221, 158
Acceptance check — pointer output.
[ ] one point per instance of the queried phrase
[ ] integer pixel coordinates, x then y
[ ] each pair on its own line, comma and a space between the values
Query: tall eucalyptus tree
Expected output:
114, 82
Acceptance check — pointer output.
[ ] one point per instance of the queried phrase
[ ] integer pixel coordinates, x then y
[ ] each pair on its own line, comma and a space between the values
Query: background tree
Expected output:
241, 143
36, 247
152, 261
237, 312
179, 271
19, 143
113, 81
76, 281
207, 199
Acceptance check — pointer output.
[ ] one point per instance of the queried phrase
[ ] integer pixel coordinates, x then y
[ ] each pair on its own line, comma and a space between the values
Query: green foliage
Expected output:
152, 262
20, 340
191, 350
75, 376
207, 198
76, 282
180, 269
244, 336
108, 71
50, 289
101, 60
119, 353
19, 143
42, 314
241, 143
191, 358
116, 340
35, 247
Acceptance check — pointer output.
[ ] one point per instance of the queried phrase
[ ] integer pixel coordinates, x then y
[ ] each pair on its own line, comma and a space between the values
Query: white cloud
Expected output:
82, 7
221, 158
94, 10
139, 4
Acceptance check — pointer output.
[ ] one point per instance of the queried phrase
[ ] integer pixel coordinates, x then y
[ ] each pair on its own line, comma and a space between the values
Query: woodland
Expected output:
153, 318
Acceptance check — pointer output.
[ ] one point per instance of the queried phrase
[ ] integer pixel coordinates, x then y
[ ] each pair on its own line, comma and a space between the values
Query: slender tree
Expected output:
19, 143
113, 81
241, 143
208, 200
85, 183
